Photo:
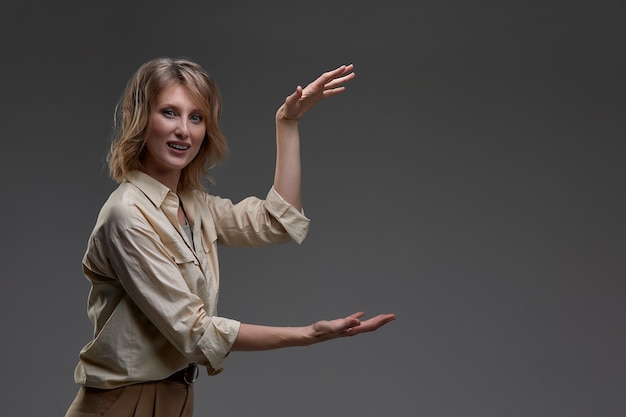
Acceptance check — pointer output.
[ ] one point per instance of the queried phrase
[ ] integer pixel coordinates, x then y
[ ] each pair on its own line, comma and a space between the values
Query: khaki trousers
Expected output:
150, 399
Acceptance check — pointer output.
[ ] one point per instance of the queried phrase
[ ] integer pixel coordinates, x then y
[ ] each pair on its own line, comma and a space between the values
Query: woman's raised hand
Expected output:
328, 84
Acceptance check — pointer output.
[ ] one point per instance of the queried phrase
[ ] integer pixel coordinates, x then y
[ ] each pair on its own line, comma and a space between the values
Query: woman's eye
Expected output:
196, 118
169, 112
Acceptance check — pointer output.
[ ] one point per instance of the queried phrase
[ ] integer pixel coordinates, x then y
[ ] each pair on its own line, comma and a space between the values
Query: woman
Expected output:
152, 256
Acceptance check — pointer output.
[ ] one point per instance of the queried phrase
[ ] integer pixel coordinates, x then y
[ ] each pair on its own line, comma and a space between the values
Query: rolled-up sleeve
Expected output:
256, 222
217, 341
296, 224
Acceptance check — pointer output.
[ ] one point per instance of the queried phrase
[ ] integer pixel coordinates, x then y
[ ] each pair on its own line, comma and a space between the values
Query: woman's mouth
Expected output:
178, 147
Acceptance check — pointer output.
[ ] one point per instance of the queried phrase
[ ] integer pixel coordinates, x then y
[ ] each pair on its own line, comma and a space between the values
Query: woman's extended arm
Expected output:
253, 337
287, 177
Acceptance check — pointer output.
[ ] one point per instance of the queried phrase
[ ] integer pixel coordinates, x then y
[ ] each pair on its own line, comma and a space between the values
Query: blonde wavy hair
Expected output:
134, 110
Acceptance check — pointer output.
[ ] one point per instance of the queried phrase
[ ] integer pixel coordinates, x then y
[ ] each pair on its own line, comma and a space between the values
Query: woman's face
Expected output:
175, 133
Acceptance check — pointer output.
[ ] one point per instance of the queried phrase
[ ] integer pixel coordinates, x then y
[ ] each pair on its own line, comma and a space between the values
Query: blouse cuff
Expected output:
295, 222
217, 340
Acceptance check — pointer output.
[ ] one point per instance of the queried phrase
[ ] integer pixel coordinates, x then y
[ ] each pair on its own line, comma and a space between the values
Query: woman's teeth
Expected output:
179, 147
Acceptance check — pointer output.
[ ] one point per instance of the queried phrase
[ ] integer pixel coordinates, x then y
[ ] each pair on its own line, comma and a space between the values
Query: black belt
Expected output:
187, 376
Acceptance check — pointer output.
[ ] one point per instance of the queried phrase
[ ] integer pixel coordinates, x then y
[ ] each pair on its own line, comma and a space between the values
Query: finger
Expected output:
380, 320
329, 75
356, 315
351, 321
339, 81
336, 86
333, 92
342, 69
373, 323
295, 96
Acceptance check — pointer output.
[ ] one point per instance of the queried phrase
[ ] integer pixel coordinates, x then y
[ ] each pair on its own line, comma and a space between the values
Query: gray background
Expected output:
471, 180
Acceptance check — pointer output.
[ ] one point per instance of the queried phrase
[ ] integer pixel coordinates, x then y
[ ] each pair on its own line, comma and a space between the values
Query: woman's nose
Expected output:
182, 130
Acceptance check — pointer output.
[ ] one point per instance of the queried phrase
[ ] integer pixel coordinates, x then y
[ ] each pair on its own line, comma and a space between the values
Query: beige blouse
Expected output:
153, 300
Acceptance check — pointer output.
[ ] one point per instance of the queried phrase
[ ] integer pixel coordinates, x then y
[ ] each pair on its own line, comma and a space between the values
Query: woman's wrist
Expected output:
281, 120
309, 335
282, 117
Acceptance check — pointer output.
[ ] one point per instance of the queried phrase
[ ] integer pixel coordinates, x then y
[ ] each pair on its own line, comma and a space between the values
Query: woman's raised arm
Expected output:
288, 176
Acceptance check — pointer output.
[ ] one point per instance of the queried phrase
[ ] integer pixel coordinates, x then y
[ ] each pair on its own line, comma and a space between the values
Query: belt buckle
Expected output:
191, 373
